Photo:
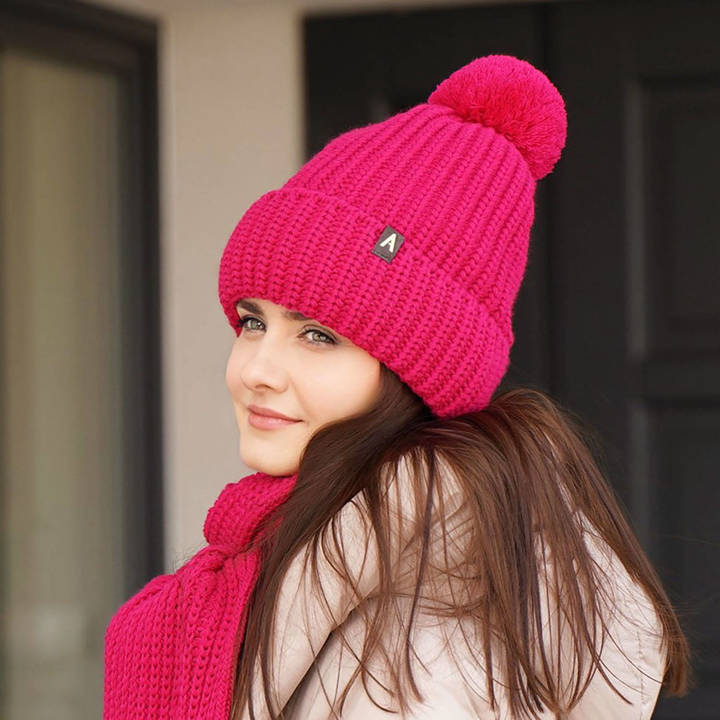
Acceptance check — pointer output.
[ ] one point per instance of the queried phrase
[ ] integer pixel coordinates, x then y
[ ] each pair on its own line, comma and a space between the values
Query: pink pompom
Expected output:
516, 99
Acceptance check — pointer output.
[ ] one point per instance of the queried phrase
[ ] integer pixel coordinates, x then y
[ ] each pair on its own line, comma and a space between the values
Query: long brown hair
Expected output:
524, 462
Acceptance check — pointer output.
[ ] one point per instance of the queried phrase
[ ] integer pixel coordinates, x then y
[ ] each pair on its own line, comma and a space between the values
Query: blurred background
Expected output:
133, 136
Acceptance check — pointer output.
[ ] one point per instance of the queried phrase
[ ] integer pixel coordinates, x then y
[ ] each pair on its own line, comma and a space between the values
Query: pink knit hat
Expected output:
410, 236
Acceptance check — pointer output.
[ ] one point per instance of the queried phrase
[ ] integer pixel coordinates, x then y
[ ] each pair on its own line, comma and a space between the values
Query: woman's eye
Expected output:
243, 320
327, 341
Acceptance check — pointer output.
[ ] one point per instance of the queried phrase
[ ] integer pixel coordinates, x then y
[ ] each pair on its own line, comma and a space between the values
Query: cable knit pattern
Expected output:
455, 176
171, 650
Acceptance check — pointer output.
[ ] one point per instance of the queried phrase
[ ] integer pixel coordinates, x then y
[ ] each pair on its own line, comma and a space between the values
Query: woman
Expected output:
407, 542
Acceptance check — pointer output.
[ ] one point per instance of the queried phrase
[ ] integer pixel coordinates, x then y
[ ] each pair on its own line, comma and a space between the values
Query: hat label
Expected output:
388, 243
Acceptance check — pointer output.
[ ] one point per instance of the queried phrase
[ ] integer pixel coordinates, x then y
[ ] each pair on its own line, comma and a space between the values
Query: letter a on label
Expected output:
388, 244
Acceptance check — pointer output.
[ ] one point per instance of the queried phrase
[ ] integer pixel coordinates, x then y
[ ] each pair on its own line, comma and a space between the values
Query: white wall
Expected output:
231, 129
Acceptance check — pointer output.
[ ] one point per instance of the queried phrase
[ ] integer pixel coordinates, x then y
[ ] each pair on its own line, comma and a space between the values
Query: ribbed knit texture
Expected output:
456, 177
171, 650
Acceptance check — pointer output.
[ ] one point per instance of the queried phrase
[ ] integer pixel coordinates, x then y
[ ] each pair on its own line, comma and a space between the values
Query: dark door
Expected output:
80, 453
619, 313
636, 232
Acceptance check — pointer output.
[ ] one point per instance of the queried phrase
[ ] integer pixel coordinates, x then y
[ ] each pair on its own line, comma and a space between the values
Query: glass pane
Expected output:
62, 382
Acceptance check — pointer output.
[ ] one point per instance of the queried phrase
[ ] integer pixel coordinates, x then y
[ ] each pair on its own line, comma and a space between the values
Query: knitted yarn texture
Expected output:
410, 236
171, 650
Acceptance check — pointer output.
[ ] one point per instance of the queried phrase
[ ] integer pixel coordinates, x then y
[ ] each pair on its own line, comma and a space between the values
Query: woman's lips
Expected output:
264, 422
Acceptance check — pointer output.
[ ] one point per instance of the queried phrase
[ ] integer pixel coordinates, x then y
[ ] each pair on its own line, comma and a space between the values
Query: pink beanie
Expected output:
410, 236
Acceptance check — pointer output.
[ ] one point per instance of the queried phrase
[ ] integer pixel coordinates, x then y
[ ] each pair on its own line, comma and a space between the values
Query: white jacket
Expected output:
452, 682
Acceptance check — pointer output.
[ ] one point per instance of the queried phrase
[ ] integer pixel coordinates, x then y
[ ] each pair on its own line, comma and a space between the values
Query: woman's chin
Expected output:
276, 467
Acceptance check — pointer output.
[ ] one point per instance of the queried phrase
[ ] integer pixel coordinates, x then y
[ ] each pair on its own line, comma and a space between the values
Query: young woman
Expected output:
408, 542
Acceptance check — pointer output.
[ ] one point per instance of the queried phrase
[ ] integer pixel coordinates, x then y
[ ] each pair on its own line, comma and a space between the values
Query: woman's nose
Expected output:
264, 366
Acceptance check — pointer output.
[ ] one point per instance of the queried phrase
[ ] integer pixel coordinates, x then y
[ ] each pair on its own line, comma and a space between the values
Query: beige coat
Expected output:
452, 681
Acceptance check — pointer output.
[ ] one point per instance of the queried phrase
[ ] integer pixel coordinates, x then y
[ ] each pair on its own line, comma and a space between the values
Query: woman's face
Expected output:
299, 368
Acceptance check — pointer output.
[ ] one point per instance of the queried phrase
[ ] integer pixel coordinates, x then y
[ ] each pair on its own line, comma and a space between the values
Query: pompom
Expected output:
516, 99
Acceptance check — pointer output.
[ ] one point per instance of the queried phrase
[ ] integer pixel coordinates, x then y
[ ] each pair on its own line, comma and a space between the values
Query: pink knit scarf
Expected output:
171, 650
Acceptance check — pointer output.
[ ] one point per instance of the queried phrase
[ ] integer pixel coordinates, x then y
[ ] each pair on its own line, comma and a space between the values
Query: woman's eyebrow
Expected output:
254, 307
